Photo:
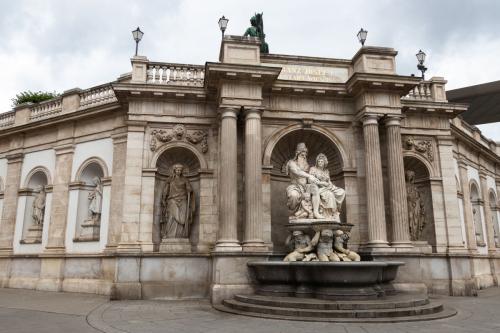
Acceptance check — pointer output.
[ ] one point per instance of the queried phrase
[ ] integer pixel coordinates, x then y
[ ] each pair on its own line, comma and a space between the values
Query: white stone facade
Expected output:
233, 124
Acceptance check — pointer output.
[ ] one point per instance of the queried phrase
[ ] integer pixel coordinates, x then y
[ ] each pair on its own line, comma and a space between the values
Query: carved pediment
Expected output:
179, 132
421, 146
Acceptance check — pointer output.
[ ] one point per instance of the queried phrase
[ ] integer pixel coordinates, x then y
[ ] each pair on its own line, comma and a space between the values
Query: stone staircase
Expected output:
402, 307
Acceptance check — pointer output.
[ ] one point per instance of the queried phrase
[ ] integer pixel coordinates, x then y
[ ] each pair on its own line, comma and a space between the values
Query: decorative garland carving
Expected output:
179, 133
423, 147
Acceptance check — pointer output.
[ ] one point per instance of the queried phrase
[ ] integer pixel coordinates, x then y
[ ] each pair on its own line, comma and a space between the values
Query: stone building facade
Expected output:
422, 185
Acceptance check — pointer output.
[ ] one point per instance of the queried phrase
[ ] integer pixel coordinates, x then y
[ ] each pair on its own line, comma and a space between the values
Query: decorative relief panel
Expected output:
423, 147
179, 133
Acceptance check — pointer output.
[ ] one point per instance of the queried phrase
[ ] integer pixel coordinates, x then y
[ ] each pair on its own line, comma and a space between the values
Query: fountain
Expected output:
321, 279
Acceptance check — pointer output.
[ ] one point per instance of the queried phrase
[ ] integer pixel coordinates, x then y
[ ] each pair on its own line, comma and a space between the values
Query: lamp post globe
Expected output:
420, 66
223, 24
137, 35
362, 36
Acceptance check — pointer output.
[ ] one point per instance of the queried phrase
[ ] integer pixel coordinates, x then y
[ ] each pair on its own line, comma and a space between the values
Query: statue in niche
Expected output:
177, 205
95, 201
416, 208
311, 187
39, 206
257, 30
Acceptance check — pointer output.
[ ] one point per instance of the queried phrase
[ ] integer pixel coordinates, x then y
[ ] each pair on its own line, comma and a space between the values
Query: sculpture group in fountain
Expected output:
314, 203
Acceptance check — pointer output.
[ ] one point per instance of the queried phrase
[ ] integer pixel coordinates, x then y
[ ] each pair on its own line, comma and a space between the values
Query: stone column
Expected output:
377, 234
397, 185
253, 240
490, 234
60, 198
9, 211
468, 219
227, 239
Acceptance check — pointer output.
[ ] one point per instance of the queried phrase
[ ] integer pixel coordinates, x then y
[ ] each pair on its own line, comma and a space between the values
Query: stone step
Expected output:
390, 302
426, 309
445, 313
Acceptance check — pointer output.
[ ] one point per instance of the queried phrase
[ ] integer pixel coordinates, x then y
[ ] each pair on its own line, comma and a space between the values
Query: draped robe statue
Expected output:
178, 205
416, 210
95, 201
39, 206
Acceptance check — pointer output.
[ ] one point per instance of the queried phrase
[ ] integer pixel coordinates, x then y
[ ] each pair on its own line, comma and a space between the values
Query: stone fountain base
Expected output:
333, 292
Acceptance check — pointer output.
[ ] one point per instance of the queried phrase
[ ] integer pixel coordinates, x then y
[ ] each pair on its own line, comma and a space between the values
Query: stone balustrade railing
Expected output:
175, 74
7, 118
46, 109
432, 90
97, 96
421, 92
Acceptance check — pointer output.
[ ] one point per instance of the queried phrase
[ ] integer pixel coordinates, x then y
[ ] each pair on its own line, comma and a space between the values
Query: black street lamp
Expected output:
223, 25
137, 34
362, 36
421, 59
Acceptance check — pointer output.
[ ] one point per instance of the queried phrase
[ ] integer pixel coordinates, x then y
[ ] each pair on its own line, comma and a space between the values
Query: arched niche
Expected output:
420, 200
477, 214
35, 193
282, 150
495, 211
164, 161
90, 199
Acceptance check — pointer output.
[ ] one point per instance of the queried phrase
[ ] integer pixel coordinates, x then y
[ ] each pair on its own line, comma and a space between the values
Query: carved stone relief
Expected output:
423, 147
179, 133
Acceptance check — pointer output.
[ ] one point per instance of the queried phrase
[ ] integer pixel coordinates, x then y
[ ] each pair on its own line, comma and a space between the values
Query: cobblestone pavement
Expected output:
31, 311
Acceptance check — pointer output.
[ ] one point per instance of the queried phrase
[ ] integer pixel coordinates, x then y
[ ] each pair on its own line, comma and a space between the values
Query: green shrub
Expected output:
33, 97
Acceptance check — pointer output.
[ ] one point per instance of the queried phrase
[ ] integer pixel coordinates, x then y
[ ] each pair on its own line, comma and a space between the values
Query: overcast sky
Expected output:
58, 45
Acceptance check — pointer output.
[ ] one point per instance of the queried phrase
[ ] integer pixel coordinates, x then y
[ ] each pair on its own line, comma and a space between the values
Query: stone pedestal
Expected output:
34, 235
182, 245
90, 232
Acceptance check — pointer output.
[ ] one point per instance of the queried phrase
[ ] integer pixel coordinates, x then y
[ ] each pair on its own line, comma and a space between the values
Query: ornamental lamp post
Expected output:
421, 59
137, 34
362, 36
223, 25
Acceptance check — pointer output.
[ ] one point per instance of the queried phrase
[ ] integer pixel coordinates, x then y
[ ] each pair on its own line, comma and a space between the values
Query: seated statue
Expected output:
301, 247
311, 193
323, 240
343, 253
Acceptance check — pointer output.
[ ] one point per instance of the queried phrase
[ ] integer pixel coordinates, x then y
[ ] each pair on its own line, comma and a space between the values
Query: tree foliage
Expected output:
33, 97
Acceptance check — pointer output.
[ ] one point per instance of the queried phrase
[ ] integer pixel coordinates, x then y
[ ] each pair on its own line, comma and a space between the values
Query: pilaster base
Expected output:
254, 246
129, 248
227, 246
177, 245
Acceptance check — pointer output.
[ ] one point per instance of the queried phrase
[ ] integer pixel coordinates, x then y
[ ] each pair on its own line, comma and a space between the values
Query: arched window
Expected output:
35, 214
89, 187
477, 215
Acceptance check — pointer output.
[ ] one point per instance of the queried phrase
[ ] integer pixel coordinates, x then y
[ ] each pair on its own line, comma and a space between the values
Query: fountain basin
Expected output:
325, 280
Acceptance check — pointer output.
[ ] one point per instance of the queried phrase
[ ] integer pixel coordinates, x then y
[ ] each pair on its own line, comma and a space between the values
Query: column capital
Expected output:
254, 113
228, 112
393, 120
461, 163
370, 119
64, 149
14, 158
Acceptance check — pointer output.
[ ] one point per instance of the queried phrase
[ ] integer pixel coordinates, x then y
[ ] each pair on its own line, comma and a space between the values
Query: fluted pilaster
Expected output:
468, 218
228, 204
397, 185
377, 233
490, 233
253, 240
